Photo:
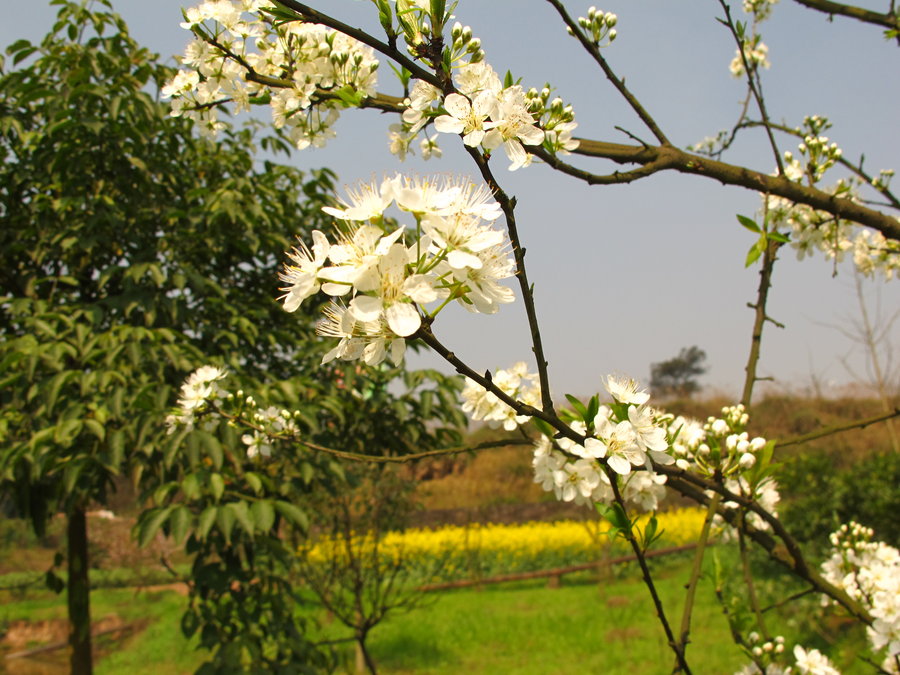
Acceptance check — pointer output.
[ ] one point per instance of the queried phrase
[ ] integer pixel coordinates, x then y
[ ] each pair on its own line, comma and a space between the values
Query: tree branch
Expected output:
508, 205
619, 84
787, 553
672, 158
403, 459
770, 255
887, 20
838, 428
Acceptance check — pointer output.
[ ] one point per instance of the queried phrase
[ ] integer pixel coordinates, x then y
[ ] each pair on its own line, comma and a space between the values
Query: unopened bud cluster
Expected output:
765, 650
463, 44
556, 117
598, 26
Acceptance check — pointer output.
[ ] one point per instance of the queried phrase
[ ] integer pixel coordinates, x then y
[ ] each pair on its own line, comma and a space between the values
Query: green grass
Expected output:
526, 628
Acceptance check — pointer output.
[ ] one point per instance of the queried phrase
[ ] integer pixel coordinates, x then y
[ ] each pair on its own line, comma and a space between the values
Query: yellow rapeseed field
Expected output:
476, 550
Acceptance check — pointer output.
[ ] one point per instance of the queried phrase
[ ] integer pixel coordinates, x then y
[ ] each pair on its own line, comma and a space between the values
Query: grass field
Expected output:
587, 625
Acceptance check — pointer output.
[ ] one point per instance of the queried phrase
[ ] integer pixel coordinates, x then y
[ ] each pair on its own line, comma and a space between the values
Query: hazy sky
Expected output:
628, 275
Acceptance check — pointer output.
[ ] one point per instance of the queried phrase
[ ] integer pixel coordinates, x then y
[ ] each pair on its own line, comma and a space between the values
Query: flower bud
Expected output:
747, 460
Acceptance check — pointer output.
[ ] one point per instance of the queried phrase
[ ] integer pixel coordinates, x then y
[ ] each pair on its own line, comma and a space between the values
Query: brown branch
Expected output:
401, 459
564, 430
509, 205
843, 161
701, 545
838, 428
759, 321
887, 20
755, 83
672, 158
373, 459
787, 553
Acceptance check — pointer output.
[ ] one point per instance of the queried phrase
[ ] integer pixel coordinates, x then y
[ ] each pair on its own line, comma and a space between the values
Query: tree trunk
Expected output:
364, 662
78, 592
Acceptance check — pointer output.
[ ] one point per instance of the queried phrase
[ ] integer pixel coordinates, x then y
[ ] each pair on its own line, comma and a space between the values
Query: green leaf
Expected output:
179, 522
263, 514
225, 519
292, 514
779, 237
578, 406
150, 524
213, 449
544, 427
242, 514
54, 582
95, 428
749, 223
217, 485
205, 521
190, 487
755, 251
254, 481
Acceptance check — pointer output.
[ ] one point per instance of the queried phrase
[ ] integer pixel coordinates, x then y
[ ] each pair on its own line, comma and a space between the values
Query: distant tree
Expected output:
678, 376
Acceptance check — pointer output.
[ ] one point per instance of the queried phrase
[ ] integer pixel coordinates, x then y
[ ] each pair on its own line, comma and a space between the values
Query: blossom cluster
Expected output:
625, 436
756, 54
202, 395
766, 656
722, 447
760, 9
380, 284
812, 230
200, 389
483, 405
488, 114
307, 72
869, 571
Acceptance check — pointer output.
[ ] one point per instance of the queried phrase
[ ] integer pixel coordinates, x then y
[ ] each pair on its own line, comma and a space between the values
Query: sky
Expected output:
626, 276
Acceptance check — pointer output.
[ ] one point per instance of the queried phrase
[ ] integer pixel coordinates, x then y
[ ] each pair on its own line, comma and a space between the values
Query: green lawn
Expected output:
584, 626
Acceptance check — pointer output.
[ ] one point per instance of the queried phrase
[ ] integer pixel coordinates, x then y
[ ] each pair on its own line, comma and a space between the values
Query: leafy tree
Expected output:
244, 502
678, 376
129, 246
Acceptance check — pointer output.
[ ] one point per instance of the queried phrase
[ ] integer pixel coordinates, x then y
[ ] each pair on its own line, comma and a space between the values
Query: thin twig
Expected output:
748, 577
770, 255
509, 205
618, 83
755, 84
838, 428
696, 570
677, 647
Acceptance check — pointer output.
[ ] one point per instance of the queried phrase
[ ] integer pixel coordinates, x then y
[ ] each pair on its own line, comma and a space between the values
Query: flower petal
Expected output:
403, 318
